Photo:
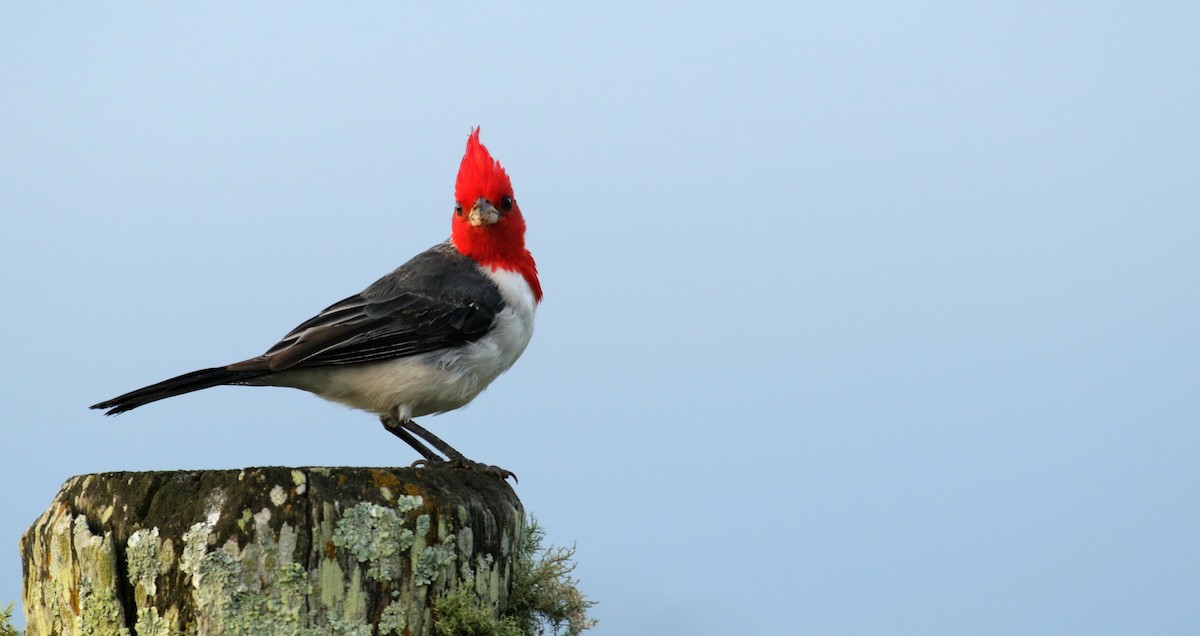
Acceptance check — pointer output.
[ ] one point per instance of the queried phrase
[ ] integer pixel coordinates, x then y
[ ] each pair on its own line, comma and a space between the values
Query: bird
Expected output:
424, 339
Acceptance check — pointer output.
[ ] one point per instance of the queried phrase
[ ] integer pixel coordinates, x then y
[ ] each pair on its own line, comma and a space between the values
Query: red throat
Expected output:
500, 245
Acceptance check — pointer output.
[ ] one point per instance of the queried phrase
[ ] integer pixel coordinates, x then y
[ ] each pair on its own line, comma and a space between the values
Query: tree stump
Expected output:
268, 551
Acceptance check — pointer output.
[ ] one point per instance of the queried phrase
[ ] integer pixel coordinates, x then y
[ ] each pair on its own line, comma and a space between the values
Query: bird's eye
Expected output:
506, 203
457, 209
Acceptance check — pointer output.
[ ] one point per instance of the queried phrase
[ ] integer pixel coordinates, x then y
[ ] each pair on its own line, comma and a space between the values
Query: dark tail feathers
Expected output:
186, 383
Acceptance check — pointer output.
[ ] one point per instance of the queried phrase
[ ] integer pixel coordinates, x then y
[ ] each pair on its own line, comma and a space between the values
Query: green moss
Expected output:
544, 596
408, 503
149, 623
346, 628
242, 577
141, 558
330, 577
6, 626
458, 614
393, 620
99, 612
543, 591
195, 546
355, 609
258, 589
433, 561
246, 518
375, 535
233, 596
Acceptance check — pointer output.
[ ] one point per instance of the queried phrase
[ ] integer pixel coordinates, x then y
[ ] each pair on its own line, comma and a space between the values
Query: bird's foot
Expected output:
462, 463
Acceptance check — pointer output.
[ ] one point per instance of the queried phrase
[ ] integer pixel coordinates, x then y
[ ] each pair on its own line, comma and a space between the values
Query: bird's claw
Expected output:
462, 463
494, 471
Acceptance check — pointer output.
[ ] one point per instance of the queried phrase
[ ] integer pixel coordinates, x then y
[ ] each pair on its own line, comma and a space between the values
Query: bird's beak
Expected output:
483, 213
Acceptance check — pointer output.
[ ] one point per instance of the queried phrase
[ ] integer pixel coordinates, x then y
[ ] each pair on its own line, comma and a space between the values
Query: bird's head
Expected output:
487, 224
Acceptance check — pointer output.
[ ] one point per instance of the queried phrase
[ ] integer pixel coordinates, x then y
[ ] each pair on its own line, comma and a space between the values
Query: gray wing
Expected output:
438, 299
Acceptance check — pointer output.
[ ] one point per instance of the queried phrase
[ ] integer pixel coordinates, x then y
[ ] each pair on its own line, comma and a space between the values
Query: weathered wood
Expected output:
267, 551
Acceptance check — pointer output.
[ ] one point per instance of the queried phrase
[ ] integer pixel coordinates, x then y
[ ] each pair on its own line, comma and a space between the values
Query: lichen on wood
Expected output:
269, 551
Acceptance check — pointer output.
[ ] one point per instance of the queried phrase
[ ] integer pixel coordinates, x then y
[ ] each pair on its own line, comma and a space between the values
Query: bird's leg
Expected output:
457, 459
434, 441
395, 426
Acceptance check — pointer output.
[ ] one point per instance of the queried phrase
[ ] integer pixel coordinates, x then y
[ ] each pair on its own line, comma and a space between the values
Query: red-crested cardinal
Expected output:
426, 338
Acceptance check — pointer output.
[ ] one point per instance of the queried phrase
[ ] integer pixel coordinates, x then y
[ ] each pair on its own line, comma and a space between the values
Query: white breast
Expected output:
433, 382
514, 325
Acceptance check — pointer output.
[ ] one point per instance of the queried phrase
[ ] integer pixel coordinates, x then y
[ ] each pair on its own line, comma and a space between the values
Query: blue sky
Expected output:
860, 318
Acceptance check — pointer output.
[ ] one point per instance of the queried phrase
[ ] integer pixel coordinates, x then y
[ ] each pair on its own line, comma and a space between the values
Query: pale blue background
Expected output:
860, 318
